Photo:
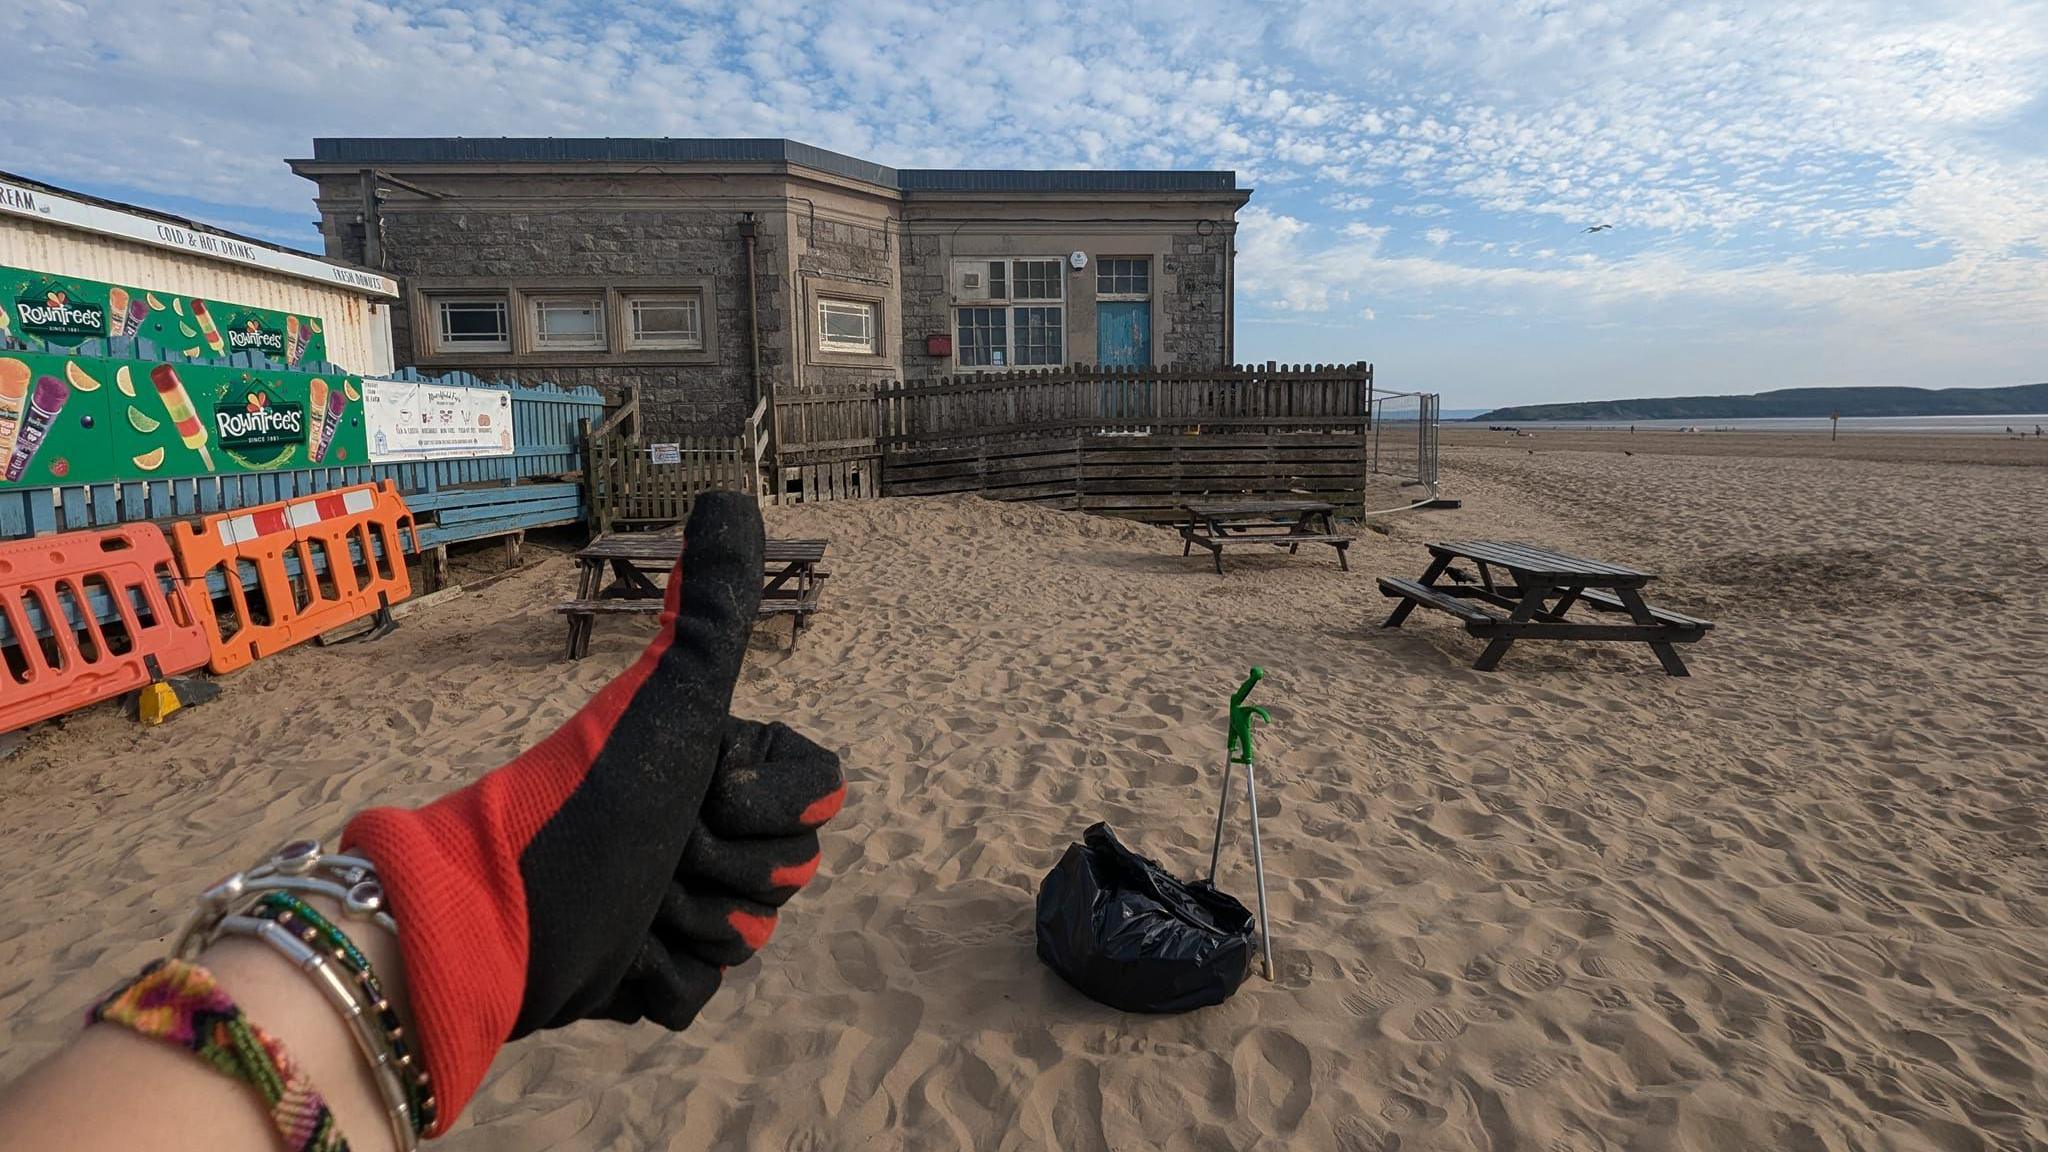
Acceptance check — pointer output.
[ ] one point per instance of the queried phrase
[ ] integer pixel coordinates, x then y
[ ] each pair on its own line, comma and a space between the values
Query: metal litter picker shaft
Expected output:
1238, 750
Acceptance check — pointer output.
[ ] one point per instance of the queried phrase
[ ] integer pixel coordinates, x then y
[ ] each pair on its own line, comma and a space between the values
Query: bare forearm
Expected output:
113, 1089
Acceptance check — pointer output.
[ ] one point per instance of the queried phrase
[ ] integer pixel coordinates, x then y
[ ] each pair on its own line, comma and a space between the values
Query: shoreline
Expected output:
1885, 447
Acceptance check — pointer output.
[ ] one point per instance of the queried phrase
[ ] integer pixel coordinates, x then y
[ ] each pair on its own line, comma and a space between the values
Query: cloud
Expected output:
1874, 166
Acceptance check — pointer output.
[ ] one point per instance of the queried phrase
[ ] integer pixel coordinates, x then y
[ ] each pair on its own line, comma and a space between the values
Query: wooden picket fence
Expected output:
626, 489
1136, 443
1266, 399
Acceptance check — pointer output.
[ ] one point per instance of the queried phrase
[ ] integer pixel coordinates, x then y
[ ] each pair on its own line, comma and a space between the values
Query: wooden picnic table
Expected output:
1280, 523
1543, 586
792, 580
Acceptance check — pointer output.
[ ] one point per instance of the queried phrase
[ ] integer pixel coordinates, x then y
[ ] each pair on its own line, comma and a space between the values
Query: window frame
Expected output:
438, 322
537, 304
826, 344
1014, 308
1001, 329
629, 313
421, 324
1103, 265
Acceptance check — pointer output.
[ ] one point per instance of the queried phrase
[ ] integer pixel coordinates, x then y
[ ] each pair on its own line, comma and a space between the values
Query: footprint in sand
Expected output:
1532, 975
1274, 1074
1528, 1069
1429, 1024
1357, 1134
1676, 1011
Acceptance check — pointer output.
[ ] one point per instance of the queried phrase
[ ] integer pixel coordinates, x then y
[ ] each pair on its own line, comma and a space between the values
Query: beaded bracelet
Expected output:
342, 993
181, 1004
302, 919
237, 906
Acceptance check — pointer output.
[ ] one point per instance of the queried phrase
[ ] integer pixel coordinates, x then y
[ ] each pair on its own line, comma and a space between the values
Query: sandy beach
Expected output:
1797, 901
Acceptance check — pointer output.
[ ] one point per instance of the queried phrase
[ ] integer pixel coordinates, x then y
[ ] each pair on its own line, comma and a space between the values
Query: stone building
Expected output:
616, 262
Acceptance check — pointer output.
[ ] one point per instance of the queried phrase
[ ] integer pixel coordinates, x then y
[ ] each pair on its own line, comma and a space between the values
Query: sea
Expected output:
2019, 423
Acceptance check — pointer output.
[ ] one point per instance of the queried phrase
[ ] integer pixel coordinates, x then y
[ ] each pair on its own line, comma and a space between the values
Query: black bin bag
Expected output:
1125, 932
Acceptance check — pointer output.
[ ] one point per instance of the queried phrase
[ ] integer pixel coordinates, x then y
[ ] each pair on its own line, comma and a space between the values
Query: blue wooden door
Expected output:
1123, 333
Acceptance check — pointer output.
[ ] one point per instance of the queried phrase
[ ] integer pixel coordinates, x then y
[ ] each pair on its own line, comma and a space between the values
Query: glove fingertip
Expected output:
824, 808
753, 929
794, 875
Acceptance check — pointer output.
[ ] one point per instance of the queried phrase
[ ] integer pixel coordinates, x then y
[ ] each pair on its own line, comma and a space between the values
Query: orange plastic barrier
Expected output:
64, 580
350, 563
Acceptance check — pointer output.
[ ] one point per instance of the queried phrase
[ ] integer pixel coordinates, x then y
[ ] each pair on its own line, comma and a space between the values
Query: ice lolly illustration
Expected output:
132, 322
296, 337
14, 377
178, 405
117, 311
207, 327
316, 412
43, 406
336, 404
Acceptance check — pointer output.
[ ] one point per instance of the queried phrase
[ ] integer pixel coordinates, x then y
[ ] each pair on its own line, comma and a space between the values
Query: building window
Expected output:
1037, 280
1130, 279
1038, 337
472, 324
568, 323
984, 338
846, 326
670, 321
1028, 329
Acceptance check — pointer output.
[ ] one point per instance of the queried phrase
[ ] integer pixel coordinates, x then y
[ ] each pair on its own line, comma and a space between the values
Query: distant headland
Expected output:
1790, 402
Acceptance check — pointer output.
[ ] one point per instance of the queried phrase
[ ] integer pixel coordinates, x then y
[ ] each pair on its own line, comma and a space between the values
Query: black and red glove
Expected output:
613, 870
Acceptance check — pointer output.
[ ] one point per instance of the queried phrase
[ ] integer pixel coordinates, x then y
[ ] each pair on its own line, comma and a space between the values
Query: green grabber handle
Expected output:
1238, 750
1239, 746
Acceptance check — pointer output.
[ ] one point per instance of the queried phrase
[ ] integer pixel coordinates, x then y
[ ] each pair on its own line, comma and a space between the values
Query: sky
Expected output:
1800, 194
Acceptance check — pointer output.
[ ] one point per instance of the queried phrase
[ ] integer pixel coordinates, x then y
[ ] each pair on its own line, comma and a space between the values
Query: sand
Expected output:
1797, 901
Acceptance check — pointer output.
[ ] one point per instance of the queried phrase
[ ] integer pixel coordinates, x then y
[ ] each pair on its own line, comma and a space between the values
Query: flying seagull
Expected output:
1598, 228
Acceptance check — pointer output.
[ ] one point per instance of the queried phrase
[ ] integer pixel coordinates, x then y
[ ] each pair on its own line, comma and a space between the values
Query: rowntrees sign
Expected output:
64, 311
90, 420
47, 309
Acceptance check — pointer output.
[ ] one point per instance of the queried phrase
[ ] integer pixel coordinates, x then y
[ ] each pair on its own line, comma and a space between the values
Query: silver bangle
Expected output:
344, 998
298, 866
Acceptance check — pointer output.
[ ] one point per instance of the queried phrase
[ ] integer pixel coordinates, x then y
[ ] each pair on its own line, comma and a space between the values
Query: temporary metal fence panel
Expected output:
1402, 445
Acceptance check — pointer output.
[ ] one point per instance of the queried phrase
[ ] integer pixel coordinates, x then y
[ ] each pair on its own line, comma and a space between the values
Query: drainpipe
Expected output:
1230, 297
373, 222
754, 333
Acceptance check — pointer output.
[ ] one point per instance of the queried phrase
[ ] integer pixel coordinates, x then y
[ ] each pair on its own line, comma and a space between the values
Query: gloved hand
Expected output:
611, 870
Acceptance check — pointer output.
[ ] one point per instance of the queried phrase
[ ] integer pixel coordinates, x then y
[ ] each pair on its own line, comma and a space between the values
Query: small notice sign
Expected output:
667, 453
413, 420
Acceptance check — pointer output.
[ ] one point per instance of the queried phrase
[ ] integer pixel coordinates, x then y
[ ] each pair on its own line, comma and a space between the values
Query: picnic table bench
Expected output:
1280, 523
1543, 586
792, 579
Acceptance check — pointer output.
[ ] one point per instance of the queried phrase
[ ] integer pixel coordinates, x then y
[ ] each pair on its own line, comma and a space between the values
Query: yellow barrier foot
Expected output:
158, 701
161, 697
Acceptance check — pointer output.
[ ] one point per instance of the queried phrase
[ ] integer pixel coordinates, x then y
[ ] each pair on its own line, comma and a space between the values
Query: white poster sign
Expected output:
667, 453
414, 420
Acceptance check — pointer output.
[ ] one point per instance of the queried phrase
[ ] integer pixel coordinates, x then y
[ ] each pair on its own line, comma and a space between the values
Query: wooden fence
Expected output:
627, 488
1254, 400
824, 447
455, 499
1132, 443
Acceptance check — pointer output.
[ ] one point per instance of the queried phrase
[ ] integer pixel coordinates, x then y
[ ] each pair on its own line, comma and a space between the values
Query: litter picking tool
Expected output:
1238, 750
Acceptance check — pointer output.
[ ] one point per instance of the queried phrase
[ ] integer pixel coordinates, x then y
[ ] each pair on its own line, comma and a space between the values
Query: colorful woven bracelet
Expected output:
179, 1003
304, 921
